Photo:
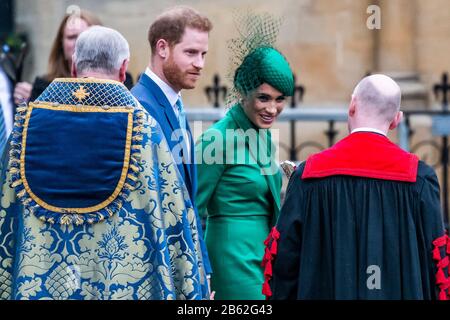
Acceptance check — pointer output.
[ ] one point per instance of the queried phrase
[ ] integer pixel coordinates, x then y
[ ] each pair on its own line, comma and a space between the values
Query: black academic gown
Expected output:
363, 221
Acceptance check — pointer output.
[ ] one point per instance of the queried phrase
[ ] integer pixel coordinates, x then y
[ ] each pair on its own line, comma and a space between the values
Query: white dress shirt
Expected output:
172, 97
368, 129
170, 94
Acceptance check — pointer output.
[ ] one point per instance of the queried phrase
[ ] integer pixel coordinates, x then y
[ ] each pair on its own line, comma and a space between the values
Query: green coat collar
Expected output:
264, 138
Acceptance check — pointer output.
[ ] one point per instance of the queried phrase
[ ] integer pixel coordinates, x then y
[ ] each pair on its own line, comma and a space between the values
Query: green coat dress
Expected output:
241, 200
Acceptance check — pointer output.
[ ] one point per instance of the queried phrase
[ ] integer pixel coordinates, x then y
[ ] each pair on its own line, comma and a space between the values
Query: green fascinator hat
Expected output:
254, 59
264, 65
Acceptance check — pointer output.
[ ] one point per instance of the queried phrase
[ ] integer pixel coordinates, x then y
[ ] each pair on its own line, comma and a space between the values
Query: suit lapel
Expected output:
172, 121
190, 167
162, 100
171, 117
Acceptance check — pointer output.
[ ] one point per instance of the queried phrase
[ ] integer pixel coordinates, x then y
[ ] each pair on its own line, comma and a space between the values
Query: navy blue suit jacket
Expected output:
153, 99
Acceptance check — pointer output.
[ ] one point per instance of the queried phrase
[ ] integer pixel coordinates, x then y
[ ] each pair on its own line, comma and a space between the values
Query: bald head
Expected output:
375, 104
378, 96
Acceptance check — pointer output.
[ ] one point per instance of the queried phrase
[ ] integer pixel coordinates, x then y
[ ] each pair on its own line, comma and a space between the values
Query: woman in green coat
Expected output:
239, 182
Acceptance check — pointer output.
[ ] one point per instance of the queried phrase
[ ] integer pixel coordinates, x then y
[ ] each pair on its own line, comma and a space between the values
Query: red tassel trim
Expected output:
274, 248
436, 253
266, 289
268, 270
441, 241
440, 277
442, 263
271, 244
266, 257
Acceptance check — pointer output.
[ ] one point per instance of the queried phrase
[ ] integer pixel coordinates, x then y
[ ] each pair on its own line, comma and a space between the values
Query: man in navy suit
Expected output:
179, 42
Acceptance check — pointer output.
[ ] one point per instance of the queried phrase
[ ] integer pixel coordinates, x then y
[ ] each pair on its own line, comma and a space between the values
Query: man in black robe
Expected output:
361, 220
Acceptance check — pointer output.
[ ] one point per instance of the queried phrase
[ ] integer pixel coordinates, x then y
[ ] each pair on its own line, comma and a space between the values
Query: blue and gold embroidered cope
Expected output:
92, 203
57, 174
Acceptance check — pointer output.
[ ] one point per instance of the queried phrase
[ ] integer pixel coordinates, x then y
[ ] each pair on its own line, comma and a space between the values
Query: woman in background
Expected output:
60, 59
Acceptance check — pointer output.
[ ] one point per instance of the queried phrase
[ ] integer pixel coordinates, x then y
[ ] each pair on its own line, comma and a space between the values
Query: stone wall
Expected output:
432, 41
327, 42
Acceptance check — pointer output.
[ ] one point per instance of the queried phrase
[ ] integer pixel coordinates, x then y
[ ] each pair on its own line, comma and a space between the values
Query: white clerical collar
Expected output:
170, 94
368, 129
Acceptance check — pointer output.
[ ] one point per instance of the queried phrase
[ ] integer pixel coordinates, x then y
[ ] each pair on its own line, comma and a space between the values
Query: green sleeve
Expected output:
210, 159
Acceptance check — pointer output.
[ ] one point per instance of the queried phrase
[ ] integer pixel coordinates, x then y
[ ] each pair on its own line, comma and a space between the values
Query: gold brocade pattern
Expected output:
145, 246
131, 255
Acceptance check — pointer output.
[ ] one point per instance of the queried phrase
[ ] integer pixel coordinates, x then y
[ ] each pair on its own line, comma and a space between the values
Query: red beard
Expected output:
176, 77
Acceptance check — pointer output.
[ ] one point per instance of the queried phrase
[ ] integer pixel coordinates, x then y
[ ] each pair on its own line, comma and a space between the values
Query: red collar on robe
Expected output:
363, 154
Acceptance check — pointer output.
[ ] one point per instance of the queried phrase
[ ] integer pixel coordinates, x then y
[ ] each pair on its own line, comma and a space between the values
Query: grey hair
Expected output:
100, 49
379, 96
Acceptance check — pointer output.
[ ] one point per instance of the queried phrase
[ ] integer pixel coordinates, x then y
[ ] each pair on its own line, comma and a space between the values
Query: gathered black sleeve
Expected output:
284, 282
